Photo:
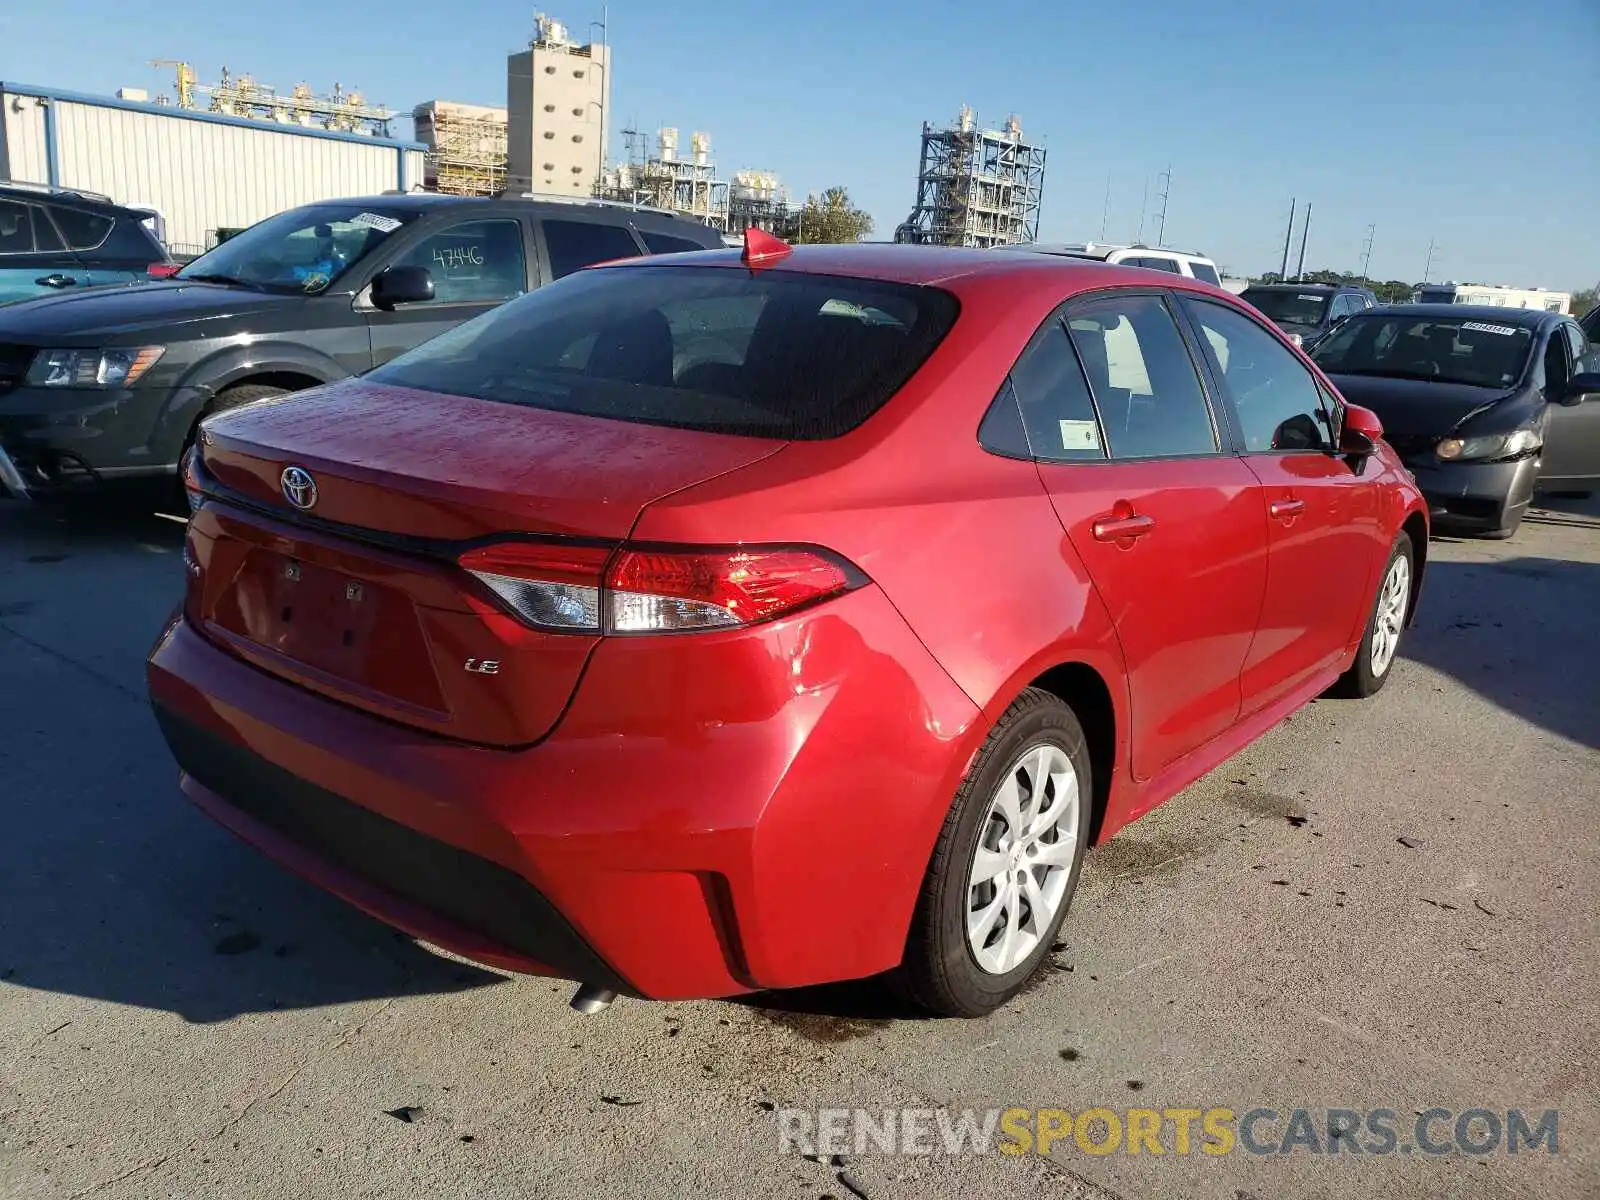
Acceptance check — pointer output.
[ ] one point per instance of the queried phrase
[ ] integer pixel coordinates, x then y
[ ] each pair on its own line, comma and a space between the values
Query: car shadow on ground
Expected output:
111, 886
1475, 625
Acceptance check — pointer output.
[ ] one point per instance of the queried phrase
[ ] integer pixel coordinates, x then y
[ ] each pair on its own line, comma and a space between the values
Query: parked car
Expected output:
764, 618
1190, 263
110, 384
57, 239
1307, 311
1484, 404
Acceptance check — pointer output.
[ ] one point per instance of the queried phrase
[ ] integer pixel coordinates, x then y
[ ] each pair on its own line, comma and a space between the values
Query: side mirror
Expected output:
401, 285
1582, 386
1360, 432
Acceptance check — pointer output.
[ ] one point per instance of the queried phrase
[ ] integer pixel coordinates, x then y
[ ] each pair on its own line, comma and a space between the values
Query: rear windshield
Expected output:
1288, 307
773, 354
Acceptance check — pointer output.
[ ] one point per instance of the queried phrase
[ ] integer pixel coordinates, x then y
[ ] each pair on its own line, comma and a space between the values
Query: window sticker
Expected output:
373, 220
1482, 327
1079, 435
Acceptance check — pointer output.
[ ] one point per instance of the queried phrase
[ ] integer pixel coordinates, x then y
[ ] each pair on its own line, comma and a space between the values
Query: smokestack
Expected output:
1288, 236
1305, 234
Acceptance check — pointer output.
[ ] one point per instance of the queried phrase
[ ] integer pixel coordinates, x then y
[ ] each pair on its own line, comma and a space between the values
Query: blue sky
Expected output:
1458, 120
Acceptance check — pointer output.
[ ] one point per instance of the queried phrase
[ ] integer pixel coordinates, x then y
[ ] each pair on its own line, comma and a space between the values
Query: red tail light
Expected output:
163, 270
594, 590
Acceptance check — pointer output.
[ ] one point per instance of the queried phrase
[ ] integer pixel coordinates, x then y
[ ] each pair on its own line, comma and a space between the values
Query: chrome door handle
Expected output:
1116, 529
56, 281
1284, 509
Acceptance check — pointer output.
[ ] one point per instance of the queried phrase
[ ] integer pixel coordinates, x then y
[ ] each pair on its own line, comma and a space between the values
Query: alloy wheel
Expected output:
1023, 858
1391, 614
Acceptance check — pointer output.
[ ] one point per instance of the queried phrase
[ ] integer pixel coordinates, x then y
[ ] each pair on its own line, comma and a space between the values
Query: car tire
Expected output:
234, 397
1034, 766
1386, 623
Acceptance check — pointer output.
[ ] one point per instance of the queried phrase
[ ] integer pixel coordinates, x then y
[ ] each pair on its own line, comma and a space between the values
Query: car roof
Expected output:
1521, 318
1307, 287
427, 201
66, 197
936, 265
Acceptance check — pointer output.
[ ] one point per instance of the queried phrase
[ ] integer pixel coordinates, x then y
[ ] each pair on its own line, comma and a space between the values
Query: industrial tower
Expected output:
976, 187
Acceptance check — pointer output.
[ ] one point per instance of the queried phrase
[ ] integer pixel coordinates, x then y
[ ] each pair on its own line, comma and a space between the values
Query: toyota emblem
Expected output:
299, 489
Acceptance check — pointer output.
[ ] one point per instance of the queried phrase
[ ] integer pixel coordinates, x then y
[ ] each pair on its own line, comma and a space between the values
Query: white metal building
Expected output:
201, 171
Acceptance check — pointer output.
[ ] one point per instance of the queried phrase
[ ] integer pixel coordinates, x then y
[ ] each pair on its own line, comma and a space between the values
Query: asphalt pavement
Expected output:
1391, 904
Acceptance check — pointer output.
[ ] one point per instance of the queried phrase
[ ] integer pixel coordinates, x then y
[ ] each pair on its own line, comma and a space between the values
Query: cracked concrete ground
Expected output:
1391, 904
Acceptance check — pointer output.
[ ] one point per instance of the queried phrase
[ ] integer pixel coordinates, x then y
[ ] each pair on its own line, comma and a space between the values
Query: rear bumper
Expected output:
62, 440
1478, 497
667, 839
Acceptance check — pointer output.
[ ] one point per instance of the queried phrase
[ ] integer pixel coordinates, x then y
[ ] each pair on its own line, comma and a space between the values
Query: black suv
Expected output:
1307, 311
53, 239
110, 383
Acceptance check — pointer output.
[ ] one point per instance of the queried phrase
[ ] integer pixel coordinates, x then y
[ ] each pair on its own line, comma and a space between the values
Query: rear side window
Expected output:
1206, 273
573, 245
665, 243
775, 354
1144, 382
1053, 397
83, 230
1156, 263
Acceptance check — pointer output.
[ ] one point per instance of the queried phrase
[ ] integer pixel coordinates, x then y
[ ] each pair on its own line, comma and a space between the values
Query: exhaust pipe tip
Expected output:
589, 999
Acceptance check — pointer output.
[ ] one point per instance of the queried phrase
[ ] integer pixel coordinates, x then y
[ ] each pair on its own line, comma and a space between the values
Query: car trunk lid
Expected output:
354, 592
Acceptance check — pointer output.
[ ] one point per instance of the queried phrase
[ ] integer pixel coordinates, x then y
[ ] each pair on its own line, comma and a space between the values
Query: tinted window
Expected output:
1053, 397
83, 230
665, 243
16, 227
1288, 307
1155, 264
1580, 344
777, 354
1144, 383
1557, 370
1277, 399
473, 261
1342, 306
1442, 349
1206, 273
573, 245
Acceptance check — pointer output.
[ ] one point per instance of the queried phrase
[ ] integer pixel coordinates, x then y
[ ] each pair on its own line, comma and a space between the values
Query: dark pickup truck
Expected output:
107, 384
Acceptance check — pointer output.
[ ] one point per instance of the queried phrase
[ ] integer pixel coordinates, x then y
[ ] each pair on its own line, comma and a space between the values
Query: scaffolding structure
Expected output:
688, 186
244, 96
976, 187
758, 200
466, 147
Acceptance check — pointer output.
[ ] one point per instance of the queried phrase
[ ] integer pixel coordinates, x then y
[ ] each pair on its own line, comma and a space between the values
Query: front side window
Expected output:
1578, 342
1144, 383
16, 227
304, 250
472, 261
1278, 401
772, 355
1441, 349
573, 245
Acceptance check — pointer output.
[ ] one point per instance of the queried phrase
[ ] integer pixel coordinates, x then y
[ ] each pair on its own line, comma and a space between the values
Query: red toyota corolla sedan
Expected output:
743, 620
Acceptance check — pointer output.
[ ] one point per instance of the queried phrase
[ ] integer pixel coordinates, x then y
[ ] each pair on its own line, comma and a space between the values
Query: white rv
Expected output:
1492, 294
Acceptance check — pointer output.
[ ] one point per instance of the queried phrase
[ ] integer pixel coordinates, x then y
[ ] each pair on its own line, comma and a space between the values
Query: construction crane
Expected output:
185, 79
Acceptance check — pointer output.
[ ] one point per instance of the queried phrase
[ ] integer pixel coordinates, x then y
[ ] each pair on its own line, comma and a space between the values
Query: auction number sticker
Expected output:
376, 221
1482, 327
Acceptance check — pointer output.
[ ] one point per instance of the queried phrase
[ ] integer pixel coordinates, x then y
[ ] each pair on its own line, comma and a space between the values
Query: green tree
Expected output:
831, 218
1585, 301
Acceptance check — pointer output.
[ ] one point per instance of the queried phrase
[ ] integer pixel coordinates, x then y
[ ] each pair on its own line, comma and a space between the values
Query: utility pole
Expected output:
1161, 236
1305, 236
1105, 212
1366, 254
1144, 204
1427, 268
1288, 236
